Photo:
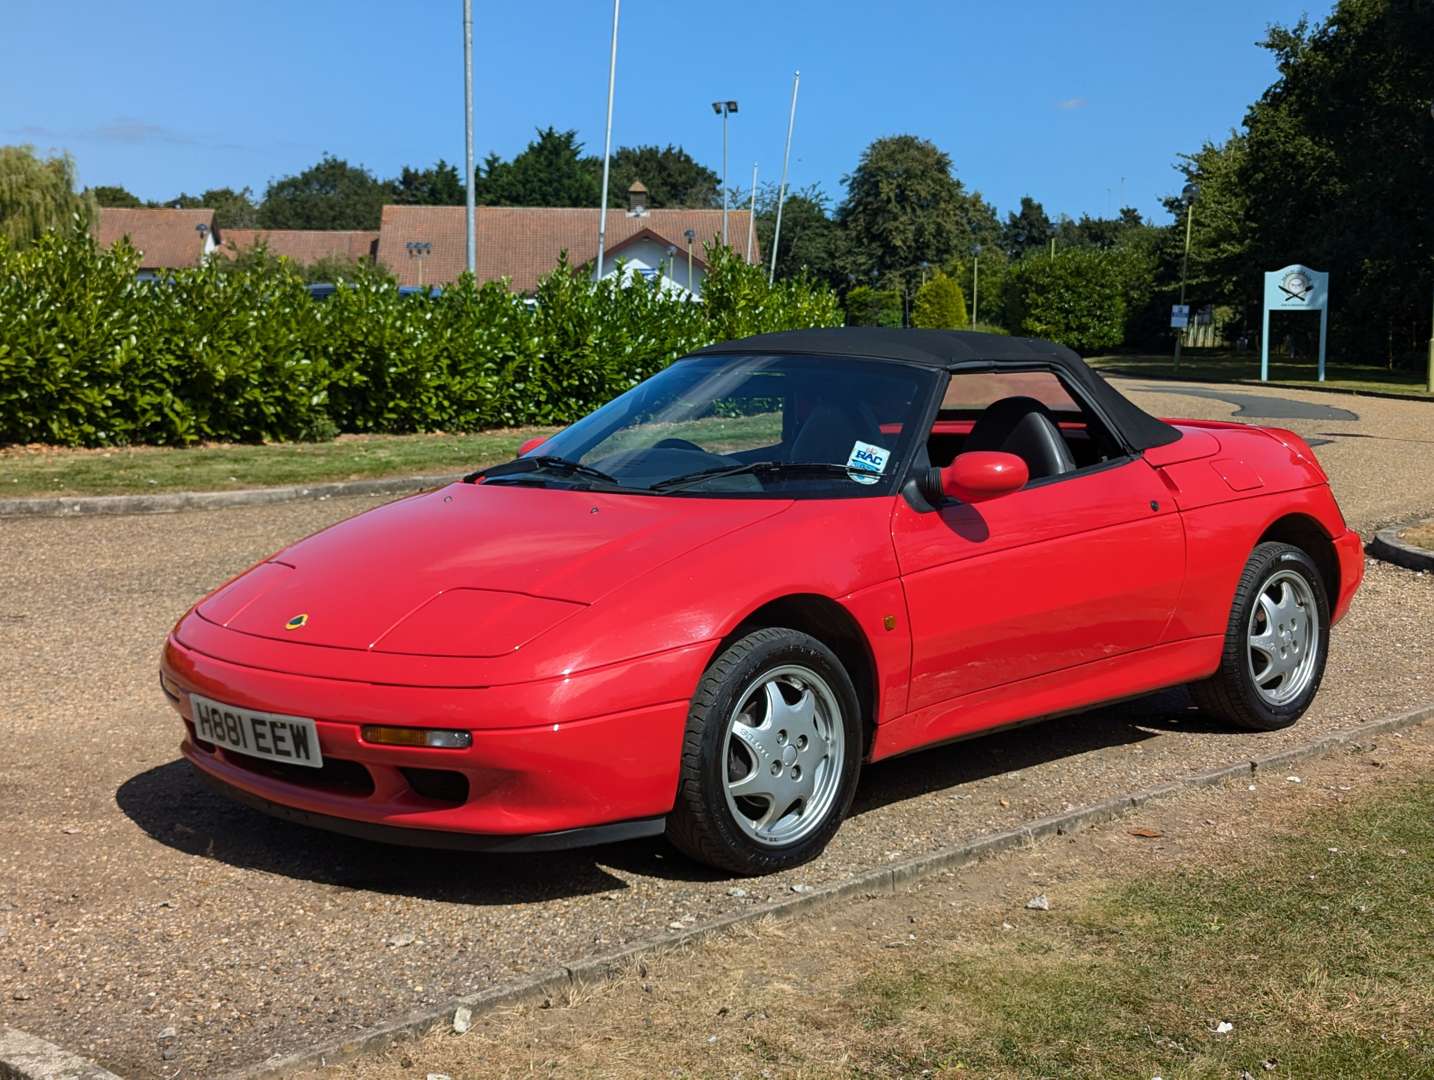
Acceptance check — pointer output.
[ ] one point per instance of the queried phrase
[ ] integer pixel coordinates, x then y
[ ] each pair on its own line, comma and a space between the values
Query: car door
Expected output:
1070, 570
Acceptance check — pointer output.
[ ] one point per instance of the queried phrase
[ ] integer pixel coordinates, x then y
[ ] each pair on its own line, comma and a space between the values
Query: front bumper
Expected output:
530, 781
1349, 549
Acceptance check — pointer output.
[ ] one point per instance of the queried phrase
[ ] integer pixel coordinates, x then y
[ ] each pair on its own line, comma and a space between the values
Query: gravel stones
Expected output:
282, 937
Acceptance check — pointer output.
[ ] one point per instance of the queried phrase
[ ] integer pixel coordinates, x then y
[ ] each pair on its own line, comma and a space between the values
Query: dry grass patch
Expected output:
1298, 917
1421, 535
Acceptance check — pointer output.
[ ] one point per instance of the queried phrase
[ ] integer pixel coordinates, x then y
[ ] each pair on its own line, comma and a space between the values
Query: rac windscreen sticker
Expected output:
867, 462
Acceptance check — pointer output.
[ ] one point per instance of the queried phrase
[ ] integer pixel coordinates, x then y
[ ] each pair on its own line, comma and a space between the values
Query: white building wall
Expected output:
648, 256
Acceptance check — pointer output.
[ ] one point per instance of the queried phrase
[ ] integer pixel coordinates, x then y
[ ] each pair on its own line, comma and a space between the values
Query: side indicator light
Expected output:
407, 736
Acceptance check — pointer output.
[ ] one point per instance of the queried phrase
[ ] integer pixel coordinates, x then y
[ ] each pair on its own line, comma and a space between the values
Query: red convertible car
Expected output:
700, 609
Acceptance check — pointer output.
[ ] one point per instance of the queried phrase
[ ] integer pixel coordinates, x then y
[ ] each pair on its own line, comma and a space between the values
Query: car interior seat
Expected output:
831, 431
1025, 427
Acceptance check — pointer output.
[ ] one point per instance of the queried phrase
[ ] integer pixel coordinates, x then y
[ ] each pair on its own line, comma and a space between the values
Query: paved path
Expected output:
1379, 452
133, 901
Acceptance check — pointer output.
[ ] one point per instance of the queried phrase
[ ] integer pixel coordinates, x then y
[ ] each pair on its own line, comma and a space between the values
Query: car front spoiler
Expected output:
563, 840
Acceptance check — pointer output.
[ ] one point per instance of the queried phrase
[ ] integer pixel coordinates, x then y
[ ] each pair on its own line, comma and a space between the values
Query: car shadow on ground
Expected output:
172, 805
947, 768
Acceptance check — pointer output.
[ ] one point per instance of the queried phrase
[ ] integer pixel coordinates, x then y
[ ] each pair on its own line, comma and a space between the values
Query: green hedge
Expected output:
1076, 298
89, 356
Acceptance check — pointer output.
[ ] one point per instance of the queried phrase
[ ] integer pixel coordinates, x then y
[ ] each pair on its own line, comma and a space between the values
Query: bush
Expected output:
237, 350
1076, 298
939, 305
866, 306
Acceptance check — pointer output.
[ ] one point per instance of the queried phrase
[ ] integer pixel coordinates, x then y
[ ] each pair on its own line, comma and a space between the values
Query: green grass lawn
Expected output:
32, 471
1318, 953
38, 472
1201, 365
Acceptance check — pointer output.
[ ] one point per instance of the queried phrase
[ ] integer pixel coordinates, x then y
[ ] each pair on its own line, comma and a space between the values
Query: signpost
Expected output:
1179, 316
1295, 288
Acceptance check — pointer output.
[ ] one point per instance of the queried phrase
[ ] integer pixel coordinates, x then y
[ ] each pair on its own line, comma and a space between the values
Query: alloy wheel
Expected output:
783, 752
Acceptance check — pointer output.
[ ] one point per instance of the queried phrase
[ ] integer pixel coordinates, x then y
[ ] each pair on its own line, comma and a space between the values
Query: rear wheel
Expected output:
1275, 643
771, 756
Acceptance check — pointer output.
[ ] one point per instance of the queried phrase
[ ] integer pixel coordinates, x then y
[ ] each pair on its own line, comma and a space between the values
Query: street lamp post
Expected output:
419, 250
689, 235
724, 109
1190, 194
976, 285
1429, 376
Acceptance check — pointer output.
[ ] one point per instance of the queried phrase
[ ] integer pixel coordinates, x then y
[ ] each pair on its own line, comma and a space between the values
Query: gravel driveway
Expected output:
163, 931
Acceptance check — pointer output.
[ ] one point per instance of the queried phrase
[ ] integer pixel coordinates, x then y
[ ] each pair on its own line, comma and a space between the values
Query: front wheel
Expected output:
1275, 643
771, 755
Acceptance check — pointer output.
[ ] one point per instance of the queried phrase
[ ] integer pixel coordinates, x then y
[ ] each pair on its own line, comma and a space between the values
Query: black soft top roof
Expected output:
963, 350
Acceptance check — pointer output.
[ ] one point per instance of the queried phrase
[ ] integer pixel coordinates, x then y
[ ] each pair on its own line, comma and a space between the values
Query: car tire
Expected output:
771, 755
1275, 644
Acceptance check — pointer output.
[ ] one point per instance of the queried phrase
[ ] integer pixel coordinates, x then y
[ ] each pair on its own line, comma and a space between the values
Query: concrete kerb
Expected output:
25, 1057
872, 882
176, 501
1387, 546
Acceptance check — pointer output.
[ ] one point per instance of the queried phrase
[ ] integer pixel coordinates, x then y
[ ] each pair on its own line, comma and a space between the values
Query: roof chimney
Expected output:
637, 199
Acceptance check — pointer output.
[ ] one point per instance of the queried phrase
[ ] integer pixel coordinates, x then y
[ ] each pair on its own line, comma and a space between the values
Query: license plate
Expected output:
292, 739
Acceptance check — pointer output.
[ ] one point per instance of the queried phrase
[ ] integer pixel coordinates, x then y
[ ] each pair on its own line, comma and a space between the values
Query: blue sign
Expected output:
1295, 288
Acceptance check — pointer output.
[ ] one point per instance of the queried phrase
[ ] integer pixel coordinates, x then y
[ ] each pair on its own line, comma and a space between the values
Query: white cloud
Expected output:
1072, 103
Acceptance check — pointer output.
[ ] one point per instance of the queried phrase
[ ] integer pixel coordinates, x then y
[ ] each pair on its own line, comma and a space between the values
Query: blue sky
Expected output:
1073, 103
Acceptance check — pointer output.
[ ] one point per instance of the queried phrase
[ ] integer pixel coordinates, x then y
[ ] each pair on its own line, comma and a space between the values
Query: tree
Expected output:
329, 195
670, 174
1075, 298
441, 185
903, 207
551, 171
939, 305
1100, 232
232, 209
809, 235
1336, 162
39, 194
1026, 229
114, 195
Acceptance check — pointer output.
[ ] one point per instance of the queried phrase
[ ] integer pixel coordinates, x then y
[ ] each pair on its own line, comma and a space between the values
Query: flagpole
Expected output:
782, 190
752, 213
468, 212
607, 145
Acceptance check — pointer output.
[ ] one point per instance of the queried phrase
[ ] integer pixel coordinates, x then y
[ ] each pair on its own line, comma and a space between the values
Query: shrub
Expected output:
866, 306
71, 363
237, 350
1076, 298
939, 305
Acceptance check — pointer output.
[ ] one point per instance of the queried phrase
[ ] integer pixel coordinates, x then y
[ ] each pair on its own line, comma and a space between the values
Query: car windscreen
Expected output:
796, 426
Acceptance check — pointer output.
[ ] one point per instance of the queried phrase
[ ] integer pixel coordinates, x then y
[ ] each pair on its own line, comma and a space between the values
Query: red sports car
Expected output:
701, 608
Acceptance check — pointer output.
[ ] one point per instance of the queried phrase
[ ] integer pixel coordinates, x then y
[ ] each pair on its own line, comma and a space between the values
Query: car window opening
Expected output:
1031, 414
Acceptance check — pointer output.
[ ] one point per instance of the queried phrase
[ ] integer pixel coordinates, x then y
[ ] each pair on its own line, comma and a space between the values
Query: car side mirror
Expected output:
532, 444
979, 475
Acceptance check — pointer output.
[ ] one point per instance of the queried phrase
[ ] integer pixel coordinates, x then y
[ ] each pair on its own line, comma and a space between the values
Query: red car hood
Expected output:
469, 570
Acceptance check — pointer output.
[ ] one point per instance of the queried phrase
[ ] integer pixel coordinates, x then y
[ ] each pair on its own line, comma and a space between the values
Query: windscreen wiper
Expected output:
752, 467
550, 462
